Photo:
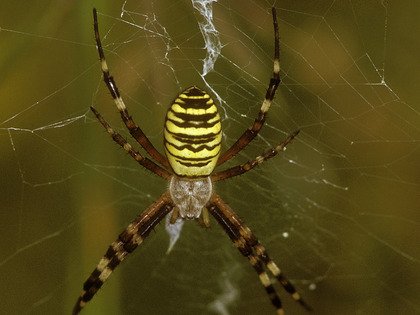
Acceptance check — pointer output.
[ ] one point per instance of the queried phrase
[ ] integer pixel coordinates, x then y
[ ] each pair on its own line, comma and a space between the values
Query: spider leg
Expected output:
243, 168
126, 243
252, 131
246, 251
143, 161
231, 222
134, 129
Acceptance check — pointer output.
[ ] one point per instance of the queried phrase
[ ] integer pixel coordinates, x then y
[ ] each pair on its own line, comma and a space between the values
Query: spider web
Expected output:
338, 210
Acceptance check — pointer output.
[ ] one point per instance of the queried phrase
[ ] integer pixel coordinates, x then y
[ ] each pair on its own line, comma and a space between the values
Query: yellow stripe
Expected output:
192, 131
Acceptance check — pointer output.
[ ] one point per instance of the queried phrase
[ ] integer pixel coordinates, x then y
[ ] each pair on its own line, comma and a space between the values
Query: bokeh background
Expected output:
338, 210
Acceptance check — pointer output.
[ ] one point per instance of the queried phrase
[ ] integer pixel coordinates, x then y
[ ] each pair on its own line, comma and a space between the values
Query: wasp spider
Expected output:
192, 140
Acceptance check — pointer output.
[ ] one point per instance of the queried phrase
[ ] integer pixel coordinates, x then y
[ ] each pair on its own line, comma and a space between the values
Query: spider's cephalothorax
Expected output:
192, 140
190, 196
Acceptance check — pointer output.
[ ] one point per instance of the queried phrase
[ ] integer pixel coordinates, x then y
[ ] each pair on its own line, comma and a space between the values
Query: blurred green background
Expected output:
338, 210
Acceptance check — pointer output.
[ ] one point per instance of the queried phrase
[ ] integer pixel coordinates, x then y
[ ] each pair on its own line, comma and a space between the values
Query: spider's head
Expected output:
190, 196
193, 134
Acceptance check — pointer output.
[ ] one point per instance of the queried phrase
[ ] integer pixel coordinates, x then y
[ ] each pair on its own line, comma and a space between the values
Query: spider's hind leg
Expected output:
126, 243
246, 251
247, 244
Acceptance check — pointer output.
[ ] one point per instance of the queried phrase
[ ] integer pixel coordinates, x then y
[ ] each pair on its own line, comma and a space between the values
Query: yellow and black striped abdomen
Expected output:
193, 134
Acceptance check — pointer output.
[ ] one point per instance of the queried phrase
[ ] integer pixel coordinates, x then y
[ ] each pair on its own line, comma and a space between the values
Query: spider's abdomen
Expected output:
192, 134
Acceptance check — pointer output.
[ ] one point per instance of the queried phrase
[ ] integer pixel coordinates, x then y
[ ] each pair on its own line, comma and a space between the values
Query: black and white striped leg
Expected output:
126, 243
247, 251
253, 131
243, 168
143, 161
275, 270
134, 129
233, 223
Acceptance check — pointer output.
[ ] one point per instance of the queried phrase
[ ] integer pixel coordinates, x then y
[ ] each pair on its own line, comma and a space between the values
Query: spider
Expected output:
192, 141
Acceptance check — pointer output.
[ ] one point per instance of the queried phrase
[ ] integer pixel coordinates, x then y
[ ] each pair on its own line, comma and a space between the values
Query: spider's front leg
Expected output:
134, 129
253, 131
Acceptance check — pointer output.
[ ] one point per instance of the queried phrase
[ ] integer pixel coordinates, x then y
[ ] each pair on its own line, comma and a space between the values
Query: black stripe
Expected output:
90, 293
193, 164
115, 261
191, 148
195, 140
92, 279
194, 91
192, 117
191, 105
194, 103
188, 124
110, 252
208, 157
130, 246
